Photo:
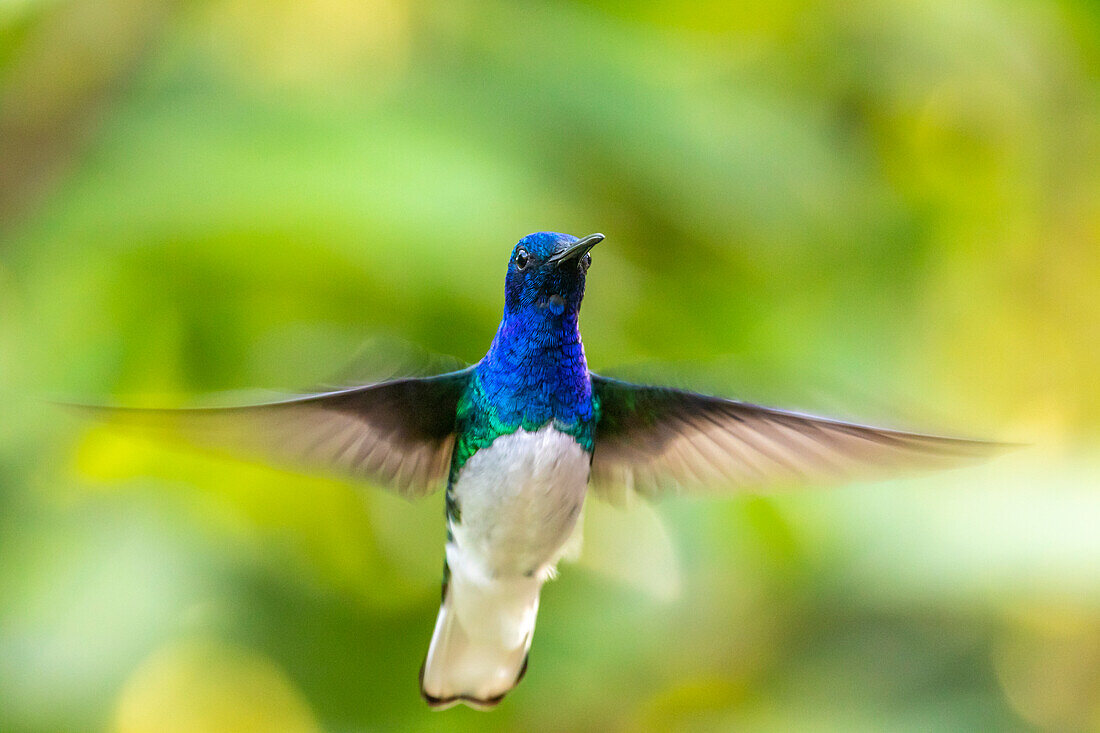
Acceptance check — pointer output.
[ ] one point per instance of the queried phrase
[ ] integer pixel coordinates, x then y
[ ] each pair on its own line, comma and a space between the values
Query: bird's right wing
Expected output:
655, 441
397, 434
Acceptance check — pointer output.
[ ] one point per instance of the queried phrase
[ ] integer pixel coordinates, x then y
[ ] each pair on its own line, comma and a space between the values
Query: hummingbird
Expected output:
520, 439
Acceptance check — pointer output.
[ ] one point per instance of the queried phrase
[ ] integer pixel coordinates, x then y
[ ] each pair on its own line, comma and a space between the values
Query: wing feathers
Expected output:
650, 440
656, 440
398, 434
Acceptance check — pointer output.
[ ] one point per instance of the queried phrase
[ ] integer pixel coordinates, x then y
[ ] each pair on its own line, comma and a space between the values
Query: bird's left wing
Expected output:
655, 441
397, 434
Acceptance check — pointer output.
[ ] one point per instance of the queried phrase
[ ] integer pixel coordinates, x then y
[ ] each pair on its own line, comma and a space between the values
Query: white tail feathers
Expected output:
482, 635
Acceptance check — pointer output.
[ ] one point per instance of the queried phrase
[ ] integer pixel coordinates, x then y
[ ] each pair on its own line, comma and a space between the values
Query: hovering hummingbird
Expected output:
520, 438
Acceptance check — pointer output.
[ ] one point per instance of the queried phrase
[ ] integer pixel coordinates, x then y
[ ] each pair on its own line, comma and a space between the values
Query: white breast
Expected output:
518, 500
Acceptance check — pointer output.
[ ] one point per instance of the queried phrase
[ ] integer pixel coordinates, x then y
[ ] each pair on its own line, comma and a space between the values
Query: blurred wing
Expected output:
657, 441
397, 434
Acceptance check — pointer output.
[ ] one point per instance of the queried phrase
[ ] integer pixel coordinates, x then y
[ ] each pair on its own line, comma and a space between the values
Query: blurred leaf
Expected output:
203, 685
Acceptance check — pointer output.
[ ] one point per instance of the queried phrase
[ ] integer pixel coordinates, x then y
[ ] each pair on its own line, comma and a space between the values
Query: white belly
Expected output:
518, 502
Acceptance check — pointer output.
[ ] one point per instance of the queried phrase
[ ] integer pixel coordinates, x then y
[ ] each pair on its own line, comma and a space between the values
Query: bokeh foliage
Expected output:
883, 209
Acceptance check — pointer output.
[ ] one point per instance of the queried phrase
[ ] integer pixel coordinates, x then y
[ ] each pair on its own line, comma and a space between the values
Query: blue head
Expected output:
535, 371
546, 273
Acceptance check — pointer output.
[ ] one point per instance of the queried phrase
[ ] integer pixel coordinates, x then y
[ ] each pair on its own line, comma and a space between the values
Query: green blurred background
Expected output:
879, 209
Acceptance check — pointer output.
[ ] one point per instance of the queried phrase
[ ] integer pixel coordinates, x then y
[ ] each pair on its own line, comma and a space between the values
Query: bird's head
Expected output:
547, 271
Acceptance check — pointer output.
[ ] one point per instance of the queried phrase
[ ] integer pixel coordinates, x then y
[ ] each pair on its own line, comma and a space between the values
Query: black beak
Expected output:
576, 250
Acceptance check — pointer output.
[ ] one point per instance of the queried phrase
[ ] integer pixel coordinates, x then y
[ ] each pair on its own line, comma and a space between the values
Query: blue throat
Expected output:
535, 370
534, 373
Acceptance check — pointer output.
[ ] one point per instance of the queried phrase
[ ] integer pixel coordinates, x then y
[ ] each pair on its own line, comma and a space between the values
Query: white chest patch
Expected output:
518, 500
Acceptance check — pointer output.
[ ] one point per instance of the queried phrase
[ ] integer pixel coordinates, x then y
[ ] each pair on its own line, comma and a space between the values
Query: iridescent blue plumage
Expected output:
535, 370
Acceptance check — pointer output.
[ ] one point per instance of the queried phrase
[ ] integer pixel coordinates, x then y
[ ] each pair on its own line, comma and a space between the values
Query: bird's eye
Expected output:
521, 259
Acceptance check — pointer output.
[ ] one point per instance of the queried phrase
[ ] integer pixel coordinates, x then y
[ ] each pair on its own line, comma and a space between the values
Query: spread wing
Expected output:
657, 440
397, 434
